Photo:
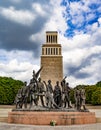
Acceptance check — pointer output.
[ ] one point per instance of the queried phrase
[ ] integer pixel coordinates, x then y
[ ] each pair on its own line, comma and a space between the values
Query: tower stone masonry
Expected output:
51, 59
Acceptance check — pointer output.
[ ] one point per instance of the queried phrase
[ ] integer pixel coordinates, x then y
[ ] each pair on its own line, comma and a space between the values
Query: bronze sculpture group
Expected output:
38, 92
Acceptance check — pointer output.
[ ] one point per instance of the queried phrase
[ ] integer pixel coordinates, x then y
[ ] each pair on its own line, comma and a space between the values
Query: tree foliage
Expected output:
93, 93
89, 91
96, 97
8, 89
98, 84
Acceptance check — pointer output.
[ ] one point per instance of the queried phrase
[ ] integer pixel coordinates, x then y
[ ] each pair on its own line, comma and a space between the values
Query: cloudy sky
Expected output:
23, 24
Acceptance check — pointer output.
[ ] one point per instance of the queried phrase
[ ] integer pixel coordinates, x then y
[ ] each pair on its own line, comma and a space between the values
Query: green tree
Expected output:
98, 84
8, 89
96, 97
89, 90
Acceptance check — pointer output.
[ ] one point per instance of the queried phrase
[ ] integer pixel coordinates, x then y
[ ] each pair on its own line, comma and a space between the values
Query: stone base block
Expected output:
44, 118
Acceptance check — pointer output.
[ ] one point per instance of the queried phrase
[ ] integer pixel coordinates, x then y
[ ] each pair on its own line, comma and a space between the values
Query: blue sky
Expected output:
23, 25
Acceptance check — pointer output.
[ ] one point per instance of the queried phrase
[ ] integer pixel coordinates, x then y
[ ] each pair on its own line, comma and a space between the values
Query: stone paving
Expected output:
6, 126
97, 112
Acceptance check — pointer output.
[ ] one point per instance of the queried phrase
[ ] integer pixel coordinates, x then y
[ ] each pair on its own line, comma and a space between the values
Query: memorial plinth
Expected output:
45, 117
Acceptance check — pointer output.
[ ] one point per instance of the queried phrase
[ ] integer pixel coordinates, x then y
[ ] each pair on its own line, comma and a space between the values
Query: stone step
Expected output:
98, 120
4, 119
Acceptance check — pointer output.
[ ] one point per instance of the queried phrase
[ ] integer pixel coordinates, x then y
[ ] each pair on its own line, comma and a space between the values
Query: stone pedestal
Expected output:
44, 118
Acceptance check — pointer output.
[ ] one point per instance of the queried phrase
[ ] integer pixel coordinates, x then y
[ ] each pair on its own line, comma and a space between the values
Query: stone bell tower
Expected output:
51, 59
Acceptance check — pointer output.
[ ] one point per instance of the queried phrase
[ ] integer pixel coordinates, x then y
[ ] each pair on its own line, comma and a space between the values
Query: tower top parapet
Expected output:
51, 37
51, 32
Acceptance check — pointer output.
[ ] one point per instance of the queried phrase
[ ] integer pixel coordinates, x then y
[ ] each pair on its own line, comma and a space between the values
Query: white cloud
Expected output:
18, 70
23, 17
77, 42
73, 81
76, 12
89, 2
39, 9
92, 69
90, 16
56, 21
83, 51
36, 37
99, 20
81, 14
96, 37
19, 55
18, 65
